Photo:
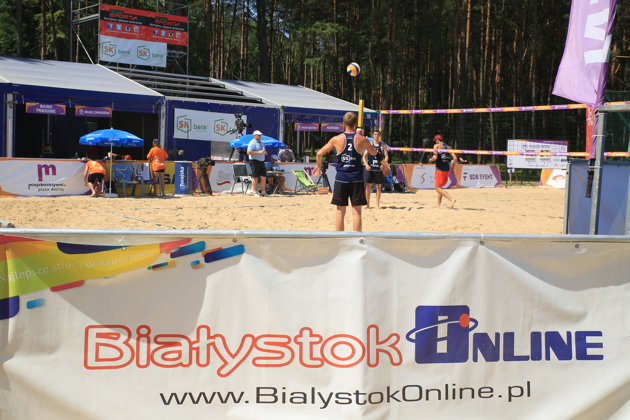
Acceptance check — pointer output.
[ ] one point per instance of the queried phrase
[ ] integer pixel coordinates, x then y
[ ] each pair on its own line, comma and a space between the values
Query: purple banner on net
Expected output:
93, 111
45, 109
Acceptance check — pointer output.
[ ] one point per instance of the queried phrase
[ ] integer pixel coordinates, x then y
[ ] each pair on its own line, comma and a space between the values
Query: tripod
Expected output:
205, 187
323, 178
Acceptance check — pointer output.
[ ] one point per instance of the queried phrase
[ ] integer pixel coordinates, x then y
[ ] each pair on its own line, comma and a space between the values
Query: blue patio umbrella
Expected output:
243, 141
111, 138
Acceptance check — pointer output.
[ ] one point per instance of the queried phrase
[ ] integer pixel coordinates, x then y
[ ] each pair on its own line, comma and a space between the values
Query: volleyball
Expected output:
354, 69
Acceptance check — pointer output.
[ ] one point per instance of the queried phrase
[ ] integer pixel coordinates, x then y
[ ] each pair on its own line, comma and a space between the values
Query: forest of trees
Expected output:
414, 54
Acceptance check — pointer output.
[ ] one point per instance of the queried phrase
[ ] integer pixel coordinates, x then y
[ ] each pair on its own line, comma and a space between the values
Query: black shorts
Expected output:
159, 170
93, 178
258, 168
355, 191
374, 177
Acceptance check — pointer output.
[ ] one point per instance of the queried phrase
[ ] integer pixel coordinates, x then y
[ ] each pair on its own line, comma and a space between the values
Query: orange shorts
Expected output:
441, 178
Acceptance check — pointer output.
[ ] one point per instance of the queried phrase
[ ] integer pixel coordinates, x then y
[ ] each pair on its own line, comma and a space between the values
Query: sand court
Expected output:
521, 210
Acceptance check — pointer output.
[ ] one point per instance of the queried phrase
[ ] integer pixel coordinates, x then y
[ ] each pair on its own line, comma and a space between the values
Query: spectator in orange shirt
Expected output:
97, 173
157, 156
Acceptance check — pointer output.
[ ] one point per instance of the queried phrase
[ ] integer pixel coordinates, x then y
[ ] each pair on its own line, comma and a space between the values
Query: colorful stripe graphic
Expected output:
68, 286
35, 303
196, 264
37, 265
162, 266
188, 249
224, 253
9, 307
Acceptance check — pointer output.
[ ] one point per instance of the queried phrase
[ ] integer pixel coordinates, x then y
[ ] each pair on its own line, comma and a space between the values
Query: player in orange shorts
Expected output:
442, 169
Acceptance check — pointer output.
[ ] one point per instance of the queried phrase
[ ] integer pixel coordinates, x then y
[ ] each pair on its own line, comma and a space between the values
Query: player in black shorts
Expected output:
349, 185
373, 170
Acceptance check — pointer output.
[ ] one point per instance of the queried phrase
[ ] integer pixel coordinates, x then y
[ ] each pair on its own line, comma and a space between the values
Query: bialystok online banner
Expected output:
315, 327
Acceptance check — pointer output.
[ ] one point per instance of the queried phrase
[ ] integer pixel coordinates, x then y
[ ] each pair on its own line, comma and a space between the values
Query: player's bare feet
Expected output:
453, 203
367, 207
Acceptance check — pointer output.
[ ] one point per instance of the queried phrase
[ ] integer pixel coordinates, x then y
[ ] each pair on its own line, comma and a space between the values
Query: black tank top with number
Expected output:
372, 161
349, 164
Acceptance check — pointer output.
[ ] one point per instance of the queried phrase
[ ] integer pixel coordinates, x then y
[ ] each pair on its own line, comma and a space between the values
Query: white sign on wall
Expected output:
132, 51
208, 126
537, 162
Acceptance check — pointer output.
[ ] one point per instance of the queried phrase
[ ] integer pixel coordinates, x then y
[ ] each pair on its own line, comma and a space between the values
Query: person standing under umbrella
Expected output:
93, 176
157, 156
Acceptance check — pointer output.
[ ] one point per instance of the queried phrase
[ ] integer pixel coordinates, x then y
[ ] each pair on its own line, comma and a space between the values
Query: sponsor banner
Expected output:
422, 177
123, 22
222, 176
553, 178
306, 127
93, 111
332, 128
46, 109
170, 29
38, 177
132, 51
209, 126
534, 161
479, 176
280, 335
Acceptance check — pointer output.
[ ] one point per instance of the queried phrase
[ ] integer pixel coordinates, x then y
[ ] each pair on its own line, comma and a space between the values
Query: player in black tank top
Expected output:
442, 169
349, 184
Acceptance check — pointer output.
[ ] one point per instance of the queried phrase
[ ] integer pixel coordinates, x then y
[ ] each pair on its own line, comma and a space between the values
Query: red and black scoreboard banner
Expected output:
122, 22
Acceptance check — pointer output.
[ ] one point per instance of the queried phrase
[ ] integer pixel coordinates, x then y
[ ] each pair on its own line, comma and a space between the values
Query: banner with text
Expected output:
42, 177
201, 125
123, 22
132, 51
230, 326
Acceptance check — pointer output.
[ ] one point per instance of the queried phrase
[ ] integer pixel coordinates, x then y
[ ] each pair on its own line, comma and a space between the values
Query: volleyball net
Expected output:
486, 131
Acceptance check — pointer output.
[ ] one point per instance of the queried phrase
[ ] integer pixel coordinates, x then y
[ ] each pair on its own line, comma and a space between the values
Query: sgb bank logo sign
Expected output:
108, 49
183, 124
144, 53
221, 127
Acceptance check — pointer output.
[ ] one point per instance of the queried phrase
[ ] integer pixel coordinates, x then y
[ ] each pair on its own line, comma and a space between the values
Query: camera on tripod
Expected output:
204, 163
239, 125
324, 166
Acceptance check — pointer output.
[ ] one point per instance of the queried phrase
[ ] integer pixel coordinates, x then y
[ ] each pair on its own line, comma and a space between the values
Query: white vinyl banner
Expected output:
423, 178
312, 326
201, 125
480, 176
41, 177
132, 51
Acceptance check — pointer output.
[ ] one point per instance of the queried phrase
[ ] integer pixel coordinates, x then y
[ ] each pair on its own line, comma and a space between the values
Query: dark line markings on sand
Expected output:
133, 218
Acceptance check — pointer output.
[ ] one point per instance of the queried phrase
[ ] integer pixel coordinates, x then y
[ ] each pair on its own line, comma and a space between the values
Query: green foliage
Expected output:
410, 52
